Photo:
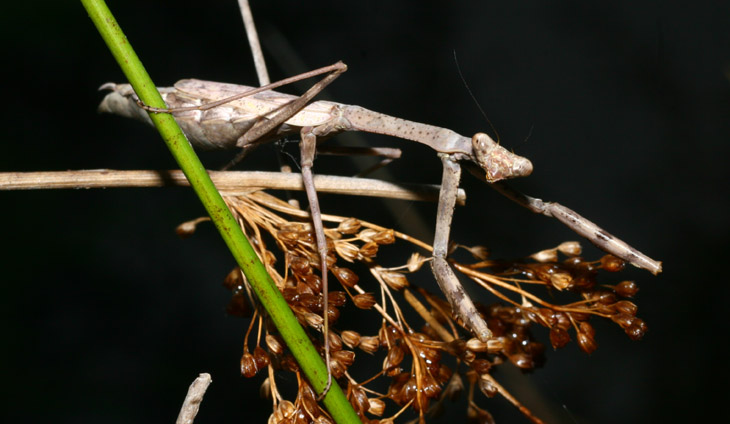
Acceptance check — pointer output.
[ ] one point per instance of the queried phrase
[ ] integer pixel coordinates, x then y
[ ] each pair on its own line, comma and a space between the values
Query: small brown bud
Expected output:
369, 249
187, 229
623, 320
274, 344
261, 358
637, 329
313, 320
248, 365
335, 341
481, 366
376, 407
349, 226
384, 237
626, 307
570, 248
337, 298
347, 357
586, 339
234, 280
366, 235
547, 255
612, 264
364, 300
394, 280
369, 344
626, 288
394, 357
559, 337
561, 280
345, 276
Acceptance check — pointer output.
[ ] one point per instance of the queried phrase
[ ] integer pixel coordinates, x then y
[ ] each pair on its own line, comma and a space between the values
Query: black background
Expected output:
623, 109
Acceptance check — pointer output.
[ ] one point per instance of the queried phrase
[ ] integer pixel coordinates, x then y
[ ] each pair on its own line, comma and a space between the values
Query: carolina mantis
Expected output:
220, 116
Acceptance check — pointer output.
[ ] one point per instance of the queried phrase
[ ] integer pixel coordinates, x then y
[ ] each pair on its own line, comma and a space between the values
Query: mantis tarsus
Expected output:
219, 116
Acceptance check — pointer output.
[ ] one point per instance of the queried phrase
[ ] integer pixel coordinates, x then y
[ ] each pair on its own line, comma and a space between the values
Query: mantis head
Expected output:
498, 162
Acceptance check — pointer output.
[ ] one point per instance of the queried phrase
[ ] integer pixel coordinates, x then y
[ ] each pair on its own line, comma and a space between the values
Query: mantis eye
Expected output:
496, 161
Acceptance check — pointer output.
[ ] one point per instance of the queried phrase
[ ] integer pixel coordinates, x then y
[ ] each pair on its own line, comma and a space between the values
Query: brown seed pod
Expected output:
561, 280
394, 358
570, 248
234, 280
335, 341
559, 337
337, 298
637, 329
369, 344
376, 407
623, 320
626, 288
481, 366
347, 357
487, 387
261, 358
300, 266
626, 307
586, 340
248, 365
345, 276
611, 263
347, 250
275, 344
384, 237
349, 226
364, 300
369, 249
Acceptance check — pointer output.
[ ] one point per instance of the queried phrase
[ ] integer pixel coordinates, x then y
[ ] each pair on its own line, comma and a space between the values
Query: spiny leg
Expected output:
308, 147
460, 302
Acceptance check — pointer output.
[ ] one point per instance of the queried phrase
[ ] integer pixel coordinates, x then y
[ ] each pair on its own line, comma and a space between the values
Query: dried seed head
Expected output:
274, 344
300, 266
384, 237
248, 365
478, 252
626, 288
349, 226
346, 357
415, 262
364, 300
313, 320
623, 320
376, 407
358, 399
547, 255
350, 338
561, 280
476, 345
347, 251
394, 280
369, 344
345, 276
570, 248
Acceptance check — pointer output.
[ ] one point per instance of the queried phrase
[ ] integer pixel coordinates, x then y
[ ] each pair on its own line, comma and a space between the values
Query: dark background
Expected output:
623, 108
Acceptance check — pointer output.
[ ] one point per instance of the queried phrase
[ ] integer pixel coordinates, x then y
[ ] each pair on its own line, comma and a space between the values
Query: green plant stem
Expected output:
292, 333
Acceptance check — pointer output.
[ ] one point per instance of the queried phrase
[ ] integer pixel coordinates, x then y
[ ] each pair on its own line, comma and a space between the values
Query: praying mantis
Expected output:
219, 116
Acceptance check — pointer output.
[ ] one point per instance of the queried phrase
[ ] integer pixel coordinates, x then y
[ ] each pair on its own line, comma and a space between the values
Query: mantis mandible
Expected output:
221, 116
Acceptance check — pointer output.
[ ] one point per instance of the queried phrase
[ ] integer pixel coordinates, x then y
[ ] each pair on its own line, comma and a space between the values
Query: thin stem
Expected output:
267, 292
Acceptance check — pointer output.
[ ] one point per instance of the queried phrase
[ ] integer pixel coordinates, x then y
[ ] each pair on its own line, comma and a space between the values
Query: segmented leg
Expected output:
308, 147
460, 302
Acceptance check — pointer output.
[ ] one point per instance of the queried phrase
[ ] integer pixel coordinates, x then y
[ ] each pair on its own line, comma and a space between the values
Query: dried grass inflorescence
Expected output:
426, 353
